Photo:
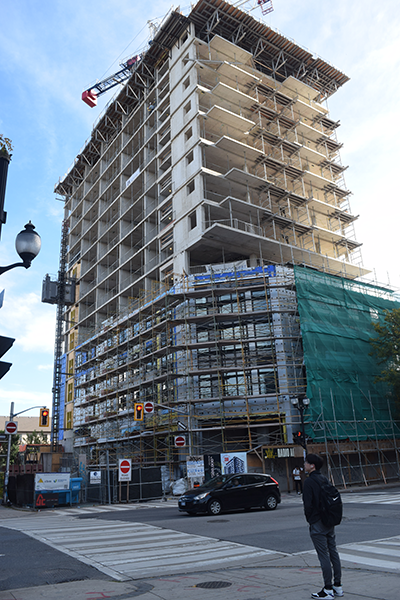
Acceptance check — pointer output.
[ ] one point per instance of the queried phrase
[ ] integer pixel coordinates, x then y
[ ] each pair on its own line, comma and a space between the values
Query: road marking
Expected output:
125, 550
372, 562
370, 553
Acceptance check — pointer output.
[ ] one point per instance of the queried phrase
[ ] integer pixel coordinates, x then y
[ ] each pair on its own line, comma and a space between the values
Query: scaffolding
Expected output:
219, 355
210, 174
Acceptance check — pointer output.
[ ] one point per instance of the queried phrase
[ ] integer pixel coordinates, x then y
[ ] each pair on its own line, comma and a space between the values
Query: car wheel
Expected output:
271, 502
214, 507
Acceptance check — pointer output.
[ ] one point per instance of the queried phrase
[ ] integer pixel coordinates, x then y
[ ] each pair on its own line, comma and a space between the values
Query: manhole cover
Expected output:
213, 584
219, 521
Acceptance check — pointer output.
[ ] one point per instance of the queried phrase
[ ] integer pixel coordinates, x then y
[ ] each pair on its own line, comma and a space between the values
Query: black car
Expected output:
228, 492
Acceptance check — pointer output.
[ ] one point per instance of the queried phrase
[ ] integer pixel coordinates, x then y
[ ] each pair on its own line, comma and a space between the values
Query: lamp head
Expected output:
28, 243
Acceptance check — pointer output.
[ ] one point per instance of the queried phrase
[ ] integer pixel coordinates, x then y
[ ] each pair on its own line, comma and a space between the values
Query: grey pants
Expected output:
324, 542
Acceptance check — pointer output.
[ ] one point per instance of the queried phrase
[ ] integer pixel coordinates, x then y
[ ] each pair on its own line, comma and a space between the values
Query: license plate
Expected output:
182, 503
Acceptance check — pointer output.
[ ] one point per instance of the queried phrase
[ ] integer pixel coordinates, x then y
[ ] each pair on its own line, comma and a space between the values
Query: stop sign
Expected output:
11, 427
180, 441
149, 407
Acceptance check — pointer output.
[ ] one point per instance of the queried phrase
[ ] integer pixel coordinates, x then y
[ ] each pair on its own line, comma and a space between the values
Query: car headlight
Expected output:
201, 496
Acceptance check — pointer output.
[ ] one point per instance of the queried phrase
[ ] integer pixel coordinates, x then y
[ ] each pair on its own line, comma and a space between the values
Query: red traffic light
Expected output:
138, 413
44, 419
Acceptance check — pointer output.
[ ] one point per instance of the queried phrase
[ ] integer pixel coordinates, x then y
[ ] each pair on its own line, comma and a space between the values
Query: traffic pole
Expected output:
6, 474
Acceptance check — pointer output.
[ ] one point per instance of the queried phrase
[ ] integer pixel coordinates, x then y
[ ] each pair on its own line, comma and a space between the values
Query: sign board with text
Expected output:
124, 469
52, 481
46, 499
95, 477
195, 466
288, 452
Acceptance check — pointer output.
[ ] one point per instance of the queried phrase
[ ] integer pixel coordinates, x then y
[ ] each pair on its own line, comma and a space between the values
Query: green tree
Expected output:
36, 437
5, 145
14, 450
386, 348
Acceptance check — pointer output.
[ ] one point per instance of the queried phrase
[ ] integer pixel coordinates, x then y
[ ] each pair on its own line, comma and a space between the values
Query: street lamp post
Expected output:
27, 244
301, 402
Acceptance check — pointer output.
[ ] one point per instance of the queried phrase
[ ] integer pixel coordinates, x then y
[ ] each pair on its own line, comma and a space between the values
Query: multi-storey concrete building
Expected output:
213, 171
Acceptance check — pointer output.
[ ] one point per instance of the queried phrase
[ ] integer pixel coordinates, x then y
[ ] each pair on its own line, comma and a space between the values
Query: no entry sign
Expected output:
125, 469
148, 407
180, 441
11, 427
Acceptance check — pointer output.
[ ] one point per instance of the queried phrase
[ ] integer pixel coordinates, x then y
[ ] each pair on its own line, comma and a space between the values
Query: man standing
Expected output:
322, 537
297, 479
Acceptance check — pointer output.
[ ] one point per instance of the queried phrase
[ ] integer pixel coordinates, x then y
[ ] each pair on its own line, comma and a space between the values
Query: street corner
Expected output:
233, 585
80, 590
218, 586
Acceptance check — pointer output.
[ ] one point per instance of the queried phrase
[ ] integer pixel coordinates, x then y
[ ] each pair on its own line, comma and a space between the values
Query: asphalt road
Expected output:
283, 530
25, 562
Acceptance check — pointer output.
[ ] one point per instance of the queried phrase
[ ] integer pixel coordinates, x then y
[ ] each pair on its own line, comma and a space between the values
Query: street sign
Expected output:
180, 441
11, 427
195, 466
125, 469
45, 499
148, 407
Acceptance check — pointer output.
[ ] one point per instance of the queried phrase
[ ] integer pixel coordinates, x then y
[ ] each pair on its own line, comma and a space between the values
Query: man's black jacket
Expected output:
311, 496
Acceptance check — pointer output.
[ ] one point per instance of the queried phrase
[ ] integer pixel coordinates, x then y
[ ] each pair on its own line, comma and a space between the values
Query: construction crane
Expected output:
90, 95
265, 5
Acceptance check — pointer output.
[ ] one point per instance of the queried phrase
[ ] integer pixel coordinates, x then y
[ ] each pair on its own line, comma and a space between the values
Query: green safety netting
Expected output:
336, 320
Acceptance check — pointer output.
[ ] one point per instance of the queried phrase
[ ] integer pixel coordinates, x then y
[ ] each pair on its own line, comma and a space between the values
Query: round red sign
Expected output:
125, 466
11, 427
180, 441
148, 407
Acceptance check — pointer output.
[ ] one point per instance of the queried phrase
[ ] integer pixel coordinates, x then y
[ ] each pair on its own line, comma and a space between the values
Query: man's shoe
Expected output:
338, 590
324, 593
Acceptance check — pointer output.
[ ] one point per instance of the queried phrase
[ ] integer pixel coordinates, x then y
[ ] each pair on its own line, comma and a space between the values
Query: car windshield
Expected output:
216, 481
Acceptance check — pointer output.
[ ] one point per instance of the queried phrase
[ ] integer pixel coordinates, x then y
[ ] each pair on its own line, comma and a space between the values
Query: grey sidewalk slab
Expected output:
289, 578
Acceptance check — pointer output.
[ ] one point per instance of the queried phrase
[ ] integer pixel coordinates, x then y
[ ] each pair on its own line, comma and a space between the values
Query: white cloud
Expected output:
23, 400
30, 322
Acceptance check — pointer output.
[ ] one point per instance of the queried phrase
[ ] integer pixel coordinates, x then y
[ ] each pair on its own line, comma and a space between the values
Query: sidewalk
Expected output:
283, 578
275, 577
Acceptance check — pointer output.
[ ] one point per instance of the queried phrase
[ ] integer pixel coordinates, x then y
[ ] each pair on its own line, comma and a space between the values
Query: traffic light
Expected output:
44, 419
138, 413
5, 345
298, 438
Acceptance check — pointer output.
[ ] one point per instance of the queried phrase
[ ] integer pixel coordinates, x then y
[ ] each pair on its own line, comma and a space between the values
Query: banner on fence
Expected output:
51, 481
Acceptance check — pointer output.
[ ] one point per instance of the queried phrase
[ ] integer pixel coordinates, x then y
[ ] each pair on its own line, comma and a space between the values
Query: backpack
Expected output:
331, 506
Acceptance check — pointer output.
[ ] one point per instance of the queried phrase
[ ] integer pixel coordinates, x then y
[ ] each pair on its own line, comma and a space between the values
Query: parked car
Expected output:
229, 492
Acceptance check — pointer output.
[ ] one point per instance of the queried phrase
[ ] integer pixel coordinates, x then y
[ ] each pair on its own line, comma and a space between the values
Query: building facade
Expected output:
213, 171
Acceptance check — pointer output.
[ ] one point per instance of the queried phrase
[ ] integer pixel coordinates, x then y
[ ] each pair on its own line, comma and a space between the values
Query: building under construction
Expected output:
212, 244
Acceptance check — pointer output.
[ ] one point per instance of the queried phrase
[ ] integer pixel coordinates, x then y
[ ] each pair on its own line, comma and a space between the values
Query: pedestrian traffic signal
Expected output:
5, 345
44, 419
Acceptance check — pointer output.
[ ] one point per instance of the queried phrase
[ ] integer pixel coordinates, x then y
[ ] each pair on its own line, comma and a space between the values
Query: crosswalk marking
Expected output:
366, 497
372, 562
372, 498
371, 552
125, 550
103, 508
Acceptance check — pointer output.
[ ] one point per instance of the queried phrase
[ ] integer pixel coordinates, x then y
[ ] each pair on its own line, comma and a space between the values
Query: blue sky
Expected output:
52, 50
